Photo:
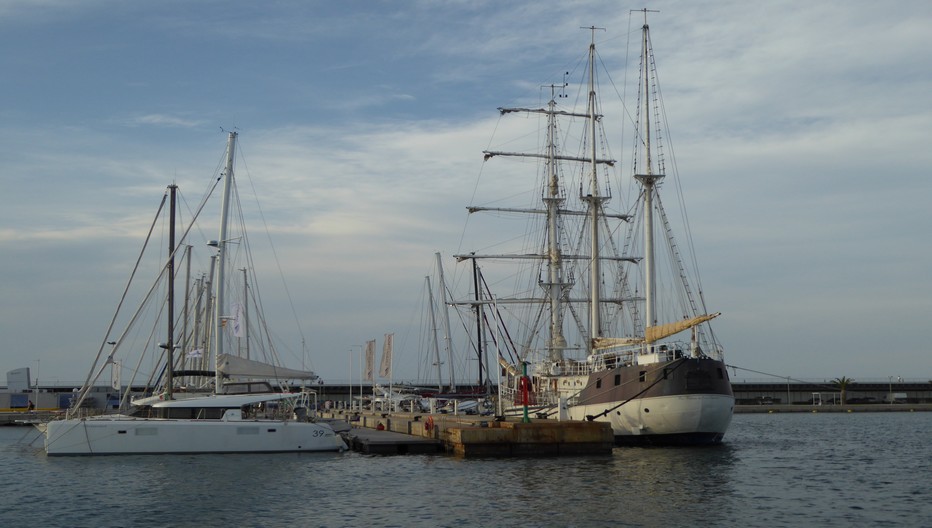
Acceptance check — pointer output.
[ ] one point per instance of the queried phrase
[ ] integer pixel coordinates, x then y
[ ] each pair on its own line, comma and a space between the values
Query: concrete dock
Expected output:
472, 436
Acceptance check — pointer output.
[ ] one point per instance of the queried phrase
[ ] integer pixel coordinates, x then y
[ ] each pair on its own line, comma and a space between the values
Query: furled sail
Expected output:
653, 333
237, 367
656, 333
603, 343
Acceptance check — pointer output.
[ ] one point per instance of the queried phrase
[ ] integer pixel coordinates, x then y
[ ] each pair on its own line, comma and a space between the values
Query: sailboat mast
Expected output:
185, 337
433, 331
446, 323
220, 307
170, 343
209, 309
595, 272
198, 320
245, 321
478, 308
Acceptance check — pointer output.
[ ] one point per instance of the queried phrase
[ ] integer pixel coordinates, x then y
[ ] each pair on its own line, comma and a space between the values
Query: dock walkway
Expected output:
472, 436
375, 442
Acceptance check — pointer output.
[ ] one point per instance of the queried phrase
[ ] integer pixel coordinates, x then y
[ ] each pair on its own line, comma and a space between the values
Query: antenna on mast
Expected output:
645, 11
558, 91
592, 28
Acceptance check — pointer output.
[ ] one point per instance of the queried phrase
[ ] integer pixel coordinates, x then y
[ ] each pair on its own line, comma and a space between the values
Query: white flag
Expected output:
196, 353
386, 365
238, 320
370, 359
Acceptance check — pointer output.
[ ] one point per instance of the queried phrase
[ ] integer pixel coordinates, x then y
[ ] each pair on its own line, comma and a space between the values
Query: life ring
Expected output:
429, 424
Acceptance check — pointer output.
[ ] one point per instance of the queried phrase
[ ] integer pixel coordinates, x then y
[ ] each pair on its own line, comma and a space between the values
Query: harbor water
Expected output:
805, 469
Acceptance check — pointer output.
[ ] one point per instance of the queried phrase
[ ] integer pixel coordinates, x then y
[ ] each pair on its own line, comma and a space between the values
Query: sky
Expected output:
801, 135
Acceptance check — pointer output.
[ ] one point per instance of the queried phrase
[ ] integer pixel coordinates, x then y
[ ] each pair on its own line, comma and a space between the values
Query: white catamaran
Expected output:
599, 339
196, 409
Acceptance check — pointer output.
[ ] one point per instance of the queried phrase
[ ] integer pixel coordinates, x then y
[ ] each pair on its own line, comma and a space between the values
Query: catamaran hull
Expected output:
155, 436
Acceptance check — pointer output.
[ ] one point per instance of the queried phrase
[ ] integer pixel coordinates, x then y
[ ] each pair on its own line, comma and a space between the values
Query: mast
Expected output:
198, 314
433, 331
478, 308
169, 345
446, 324
209, 309
595, 205
553, 200
219, 306
556, 285
648, 179
245, 321
185, 337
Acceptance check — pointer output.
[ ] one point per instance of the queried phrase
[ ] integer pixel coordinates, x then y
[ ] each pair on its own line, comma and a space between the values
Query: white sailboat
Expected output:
588, 334
216, 411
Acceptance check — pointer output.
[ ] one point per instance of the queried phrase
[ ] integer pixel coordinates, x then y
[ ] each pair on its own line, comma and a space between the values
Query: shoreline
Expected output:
848, 408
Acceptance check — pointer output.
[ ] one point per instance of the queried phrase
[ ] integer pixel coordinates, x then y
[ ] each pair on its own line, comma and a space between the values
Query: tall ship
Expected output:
597, 313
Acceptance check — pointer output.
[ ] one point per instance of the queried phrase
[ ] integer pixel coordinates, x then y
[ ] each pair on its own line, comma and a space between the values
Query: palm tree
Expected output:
842, 384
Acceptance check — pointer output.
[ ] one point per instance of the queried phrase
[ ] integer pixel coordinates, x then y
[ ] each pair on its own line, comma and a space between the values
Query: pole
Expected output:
525, 381
351, 379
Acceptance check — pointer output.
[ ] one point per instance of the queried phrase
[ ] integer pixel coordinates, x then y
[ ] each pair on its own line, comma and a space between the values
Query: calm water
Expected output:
774, 470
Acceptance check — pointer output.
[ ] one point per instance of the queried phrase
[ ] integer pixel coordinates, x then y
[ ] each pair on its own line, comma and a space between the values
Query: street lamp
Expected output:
36, 388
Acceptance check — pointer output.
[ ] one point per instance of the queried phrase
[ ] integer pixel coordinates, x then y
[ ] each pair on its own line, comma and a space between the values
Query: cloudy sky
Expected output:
802, 138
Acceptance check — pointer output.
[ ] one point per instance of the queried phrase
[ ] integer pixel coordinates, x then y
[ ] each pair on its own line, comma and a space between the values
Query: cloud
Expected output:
799, 132
165, 121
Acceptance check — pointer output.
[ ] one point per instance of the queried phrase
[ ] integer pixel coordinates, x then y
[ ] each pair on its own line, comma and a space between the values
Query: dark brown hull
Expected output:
691, 400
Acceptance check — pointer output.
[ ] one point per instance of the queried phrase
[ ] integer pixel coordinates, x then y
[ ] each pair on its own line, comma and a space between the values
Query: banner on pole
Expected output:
115, 369
238, 320
370, 359
386, 366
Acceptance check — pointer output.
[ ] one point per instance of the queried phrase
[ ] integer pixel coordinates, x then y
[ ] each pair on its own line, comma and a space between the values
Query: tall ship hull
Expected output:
692, 406
684, 401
